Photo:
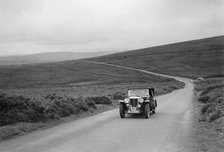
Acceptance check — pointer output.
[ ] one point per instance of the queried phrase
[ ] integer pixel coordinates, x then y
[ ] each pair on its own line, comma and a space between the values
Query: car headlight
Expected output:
140, 100
126, 100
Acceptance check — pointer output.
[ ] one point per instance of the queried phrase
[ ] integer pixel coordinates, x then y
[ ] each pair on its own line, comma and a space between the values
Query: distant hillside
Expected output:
74, 73
48, 57
204, 57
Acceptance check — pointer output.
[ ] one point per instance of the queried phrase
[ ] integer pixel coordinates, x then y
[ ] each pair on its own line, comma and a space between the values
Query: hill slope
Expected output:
67, 76
48, 57
204, 57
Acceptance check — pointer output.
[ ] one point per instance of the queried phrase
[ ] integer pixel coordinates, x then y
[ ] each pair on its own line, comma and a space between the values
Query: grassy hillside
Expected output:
204, 57
71, 73
48, 57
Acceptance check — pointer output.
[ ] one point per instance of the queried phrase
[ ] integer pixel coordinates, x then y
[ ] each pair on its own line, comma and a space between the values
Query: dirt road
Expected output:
169, 130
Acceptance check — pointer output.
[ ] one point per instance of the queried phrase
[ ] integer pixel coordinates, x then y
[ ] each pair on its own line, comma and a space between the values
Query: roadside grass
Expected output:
210, 125
20, 115
22, 128
14, 109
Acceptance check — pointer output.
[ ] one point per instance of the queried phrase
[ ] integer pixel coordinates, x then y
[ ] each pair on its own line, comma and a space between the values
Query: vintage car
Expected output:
139, 101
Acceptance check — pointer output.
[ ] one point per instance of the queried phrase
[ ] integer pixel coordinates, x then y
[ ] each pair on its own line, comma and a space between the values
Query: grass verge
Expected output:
21, 115
209, 131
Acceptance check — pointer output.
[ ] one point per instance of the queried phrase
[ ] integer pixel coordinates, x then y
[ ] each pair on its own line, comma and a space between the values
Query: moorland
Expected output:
76, 81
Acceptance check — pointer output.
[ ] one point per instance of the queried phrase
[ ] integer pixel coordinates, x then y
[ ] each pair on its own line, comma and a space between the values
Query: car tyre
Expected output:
154, 111
147, 111
122, 110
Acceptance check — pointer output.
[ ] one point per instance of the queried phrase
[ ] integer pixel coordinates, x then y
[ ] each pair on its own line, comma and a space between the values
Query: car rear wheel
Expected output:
147, 111
154, 110
122, 111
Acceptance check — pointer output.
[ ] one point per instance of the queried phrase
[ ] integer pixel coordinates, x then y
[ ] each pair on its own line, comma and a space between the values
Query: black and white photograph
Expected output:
111, 75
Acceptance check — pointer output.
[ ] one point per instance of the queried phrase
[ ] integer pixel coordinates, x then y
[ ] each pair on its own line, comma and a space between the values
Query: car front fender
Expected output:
121, 101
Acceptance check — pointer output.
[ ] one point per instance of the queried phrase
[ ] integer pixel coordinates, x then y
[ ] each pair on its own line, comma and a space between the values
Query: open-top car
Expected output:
139, 101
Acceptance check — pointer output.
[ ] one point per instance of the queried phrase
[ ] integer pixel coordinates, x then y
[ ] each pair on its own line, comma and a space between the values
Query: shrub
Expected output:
118, 96
63, 112
205, 108
215, 115
15, 109
90, 103
204, 99
100, 100
50, 96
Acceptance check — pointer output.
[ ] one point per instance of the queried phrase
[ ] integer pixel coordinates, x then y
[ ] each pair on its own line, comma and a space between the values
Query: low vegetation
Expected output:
211, 114
211, 98
99, 100
14, 109
21, 115
118, 96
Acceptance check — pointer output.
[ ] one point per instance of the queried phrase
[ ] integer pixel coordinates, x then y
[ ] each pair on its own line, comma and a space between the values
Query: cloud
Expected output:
30, 26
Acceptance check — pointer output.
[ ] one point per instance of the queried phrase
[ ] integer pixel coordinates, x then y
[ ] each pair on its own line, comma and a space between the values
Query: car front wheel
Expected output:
147, 111
122, 110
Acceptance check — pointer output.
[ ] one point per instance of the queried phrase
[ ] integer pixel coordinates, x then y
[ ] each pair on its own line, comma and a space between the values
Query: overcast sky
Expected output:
33, 26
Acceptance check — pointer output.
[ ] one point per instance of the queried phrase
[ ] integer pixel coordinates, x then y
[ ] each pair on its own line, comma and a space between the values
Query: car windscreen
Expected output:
138, 92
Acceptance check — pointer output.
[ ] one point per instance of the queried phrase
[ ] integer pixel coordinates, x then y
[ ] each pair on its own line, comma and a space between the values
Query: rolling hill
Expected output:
48, 57
203, 57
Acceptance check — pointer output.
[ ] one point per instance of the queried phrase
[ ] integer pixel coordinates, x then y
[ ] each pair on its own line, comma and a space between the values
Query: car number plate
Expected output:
133, 108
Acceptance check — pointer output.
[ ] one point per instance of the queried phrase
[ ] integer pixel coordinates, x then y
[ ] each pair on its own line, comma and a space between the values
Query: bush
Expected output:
204, 99
100, 100
90, 103
205, 108
213, 101
118, 96
215, 115
15, 109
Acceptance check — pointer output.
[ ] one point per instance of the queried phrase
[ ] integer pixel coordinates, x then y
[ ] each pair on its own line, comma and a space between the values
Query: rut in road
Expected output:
169, 130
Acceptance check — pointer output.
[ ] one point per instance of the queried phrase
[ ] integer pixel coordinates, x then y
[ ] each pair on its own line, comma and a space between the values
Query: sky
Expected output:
35, 26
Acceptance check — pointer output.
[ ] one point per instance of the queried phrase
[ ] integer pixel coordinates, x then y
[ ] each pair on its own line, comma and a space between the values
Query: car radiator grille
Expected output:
134, 102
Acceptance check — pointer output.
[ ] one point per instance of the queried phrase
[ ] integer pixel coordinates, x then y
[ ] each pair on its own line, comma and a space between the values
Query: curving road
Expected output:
169, 130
